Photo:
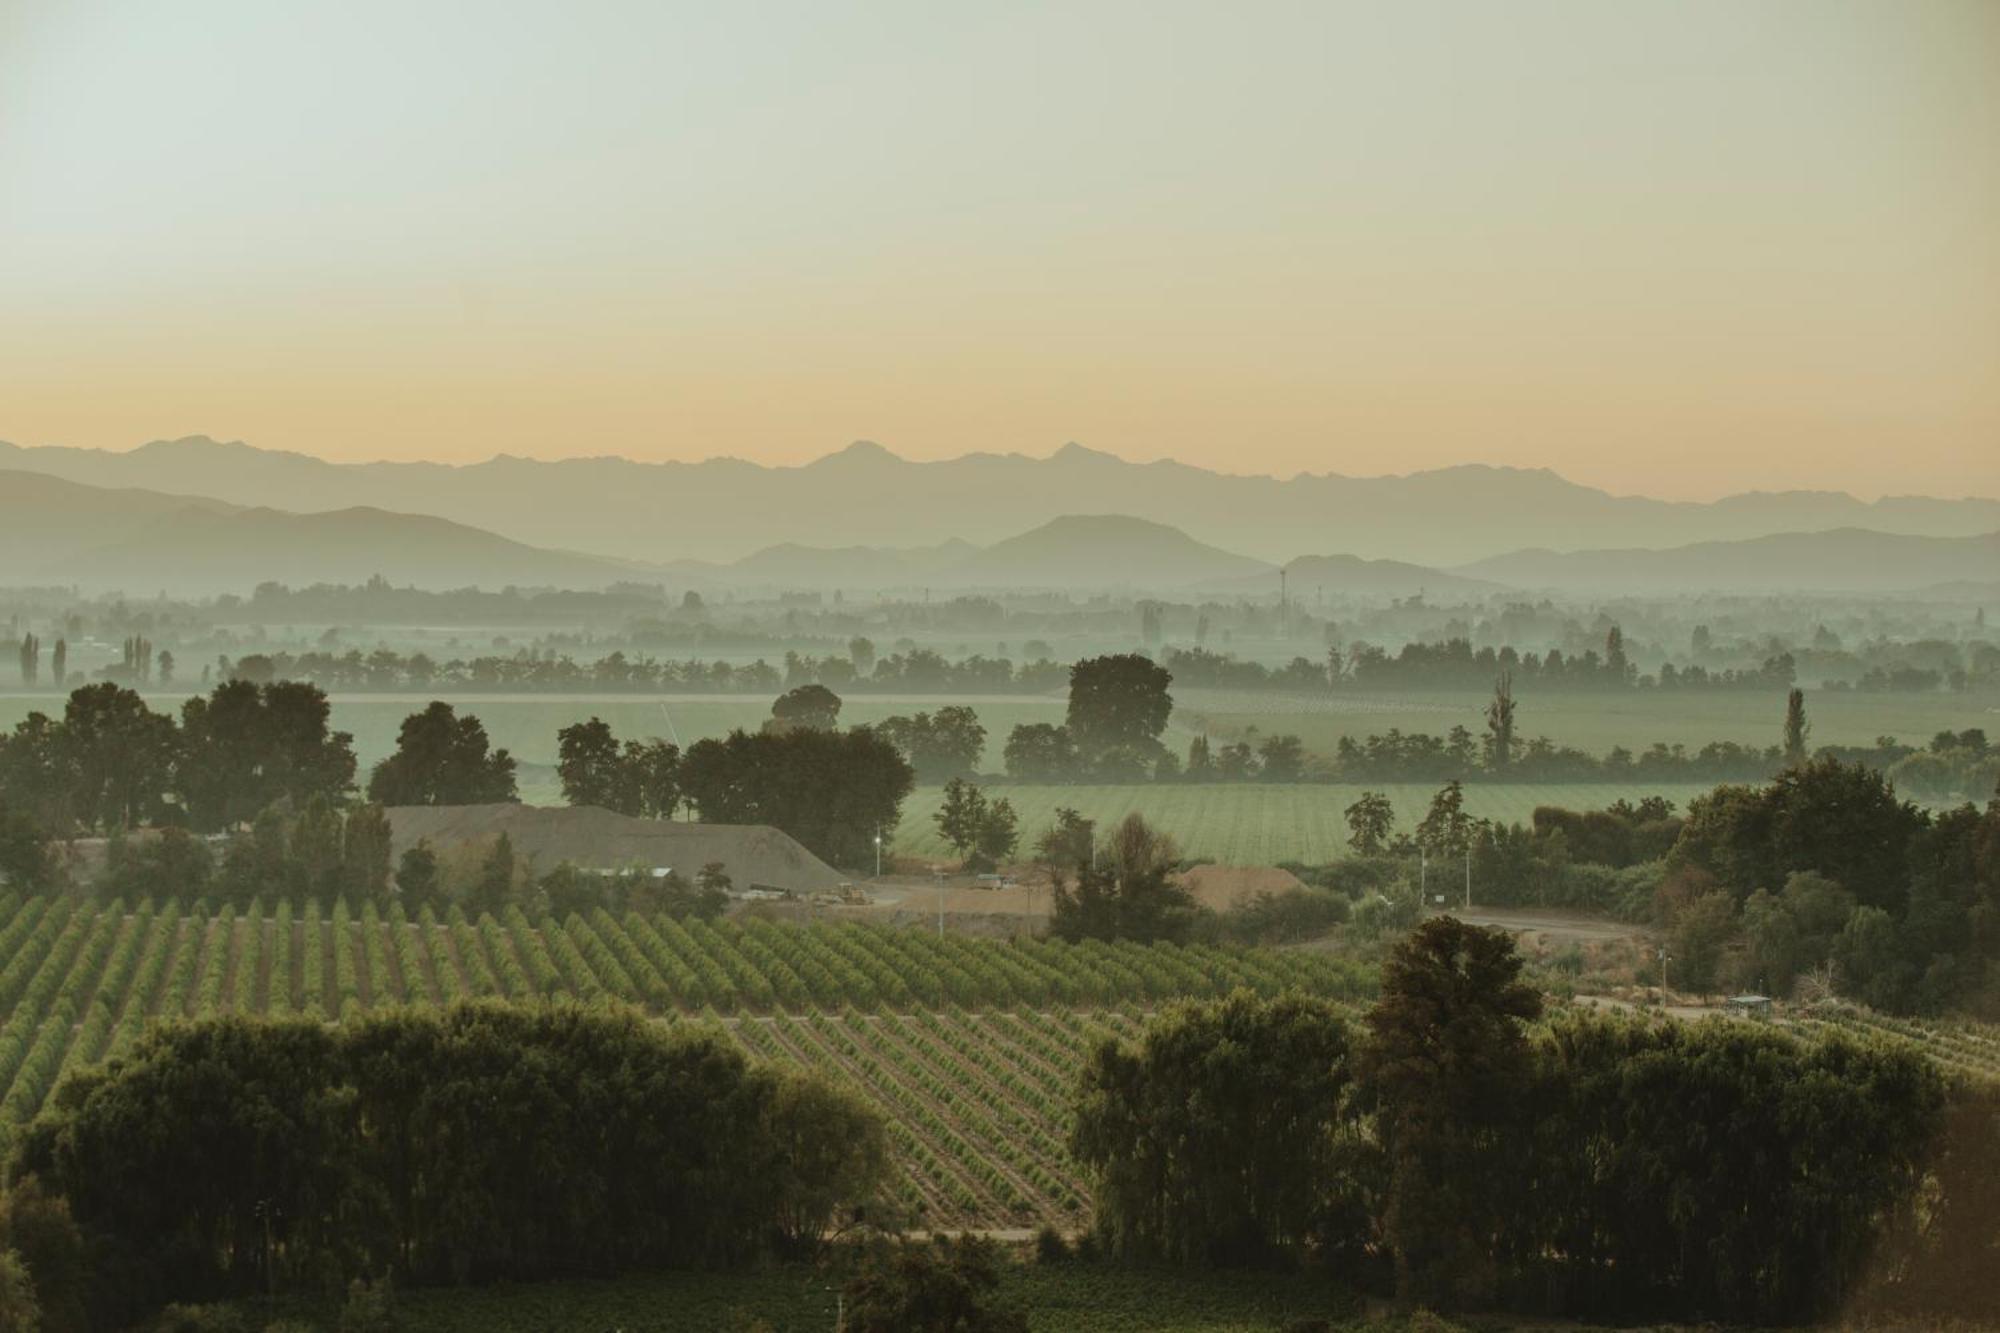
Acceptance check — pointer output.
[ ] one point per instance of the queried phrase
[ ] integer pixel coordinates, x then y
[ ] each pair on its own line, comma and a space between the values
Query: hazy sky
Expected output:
1682, 247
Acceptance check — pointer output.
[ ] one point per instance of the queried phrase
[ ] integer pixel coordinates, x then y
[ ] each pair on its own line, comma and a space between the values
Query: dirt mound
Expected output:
596, 839
1222, 887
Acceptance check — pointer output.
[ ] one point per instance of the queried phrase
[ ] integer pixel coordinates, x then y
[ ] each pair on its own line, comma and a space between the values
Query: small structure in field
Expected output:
761, 860
1748, 1006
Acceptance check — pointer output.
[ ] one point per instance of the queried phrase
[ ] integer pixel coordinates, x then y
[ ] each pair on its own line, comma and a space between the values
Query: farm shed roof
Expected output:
597, 839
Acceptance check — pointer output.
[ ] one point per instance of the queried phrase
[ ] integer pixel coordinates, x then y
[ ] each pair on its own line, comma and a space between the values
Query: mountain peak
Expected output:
1073, 452
859, 453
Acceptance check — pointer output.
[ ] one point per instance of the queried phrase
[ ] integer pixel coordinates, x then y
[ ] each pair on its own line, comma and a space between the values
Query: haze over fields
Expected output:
999, 668
194, 514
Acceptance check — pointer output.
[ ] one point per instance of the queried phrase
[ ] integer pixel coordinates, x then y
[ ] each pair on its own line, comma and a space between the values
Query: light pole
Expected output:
878, 853
1468, 878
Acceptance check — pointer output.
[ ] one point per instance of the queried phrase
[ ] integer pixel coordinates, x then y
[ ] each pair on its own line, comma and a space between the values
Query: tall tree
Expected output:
1071, 841
25, 862
1041, 752
120, 754
1118, 702
442, 759
940, 745
1370, 821
999, 833
833, 791
1796, 728
961, 815
1446, 829
1130, 893
1615, 661
1226, 1136
245, 746
1445, 1064
365, 845
1500, 725
808, 706
592, 766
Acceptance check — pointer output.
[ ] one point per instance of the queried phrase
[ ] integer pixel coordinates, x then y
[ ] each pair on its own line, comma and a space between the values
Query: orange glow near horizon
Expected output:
1682, 249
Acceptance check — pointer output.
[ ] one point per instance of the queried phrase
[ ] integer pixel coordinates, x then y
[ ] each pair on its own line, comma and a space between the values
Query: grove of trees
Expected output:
1600, 1167
477, 1144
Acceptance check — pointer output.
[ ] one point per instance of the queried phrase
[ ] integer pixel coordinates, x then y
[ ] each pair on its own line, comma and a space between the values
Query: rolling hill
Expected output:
1100, 551
1842, 560
53, 531
1352, 576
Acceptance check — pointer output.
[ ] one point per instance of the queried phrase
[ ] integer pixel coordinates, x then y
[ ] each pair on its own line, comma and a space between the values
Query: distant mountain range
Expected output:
141, 541
866, 497
59, 532
1842, 560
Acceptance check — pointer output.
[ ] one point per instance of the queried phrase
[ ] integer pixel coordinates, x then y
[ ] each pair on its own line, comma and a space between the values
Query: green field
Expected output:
527, 723
1261, 824
1593, 722
968, 1047
1055, 1299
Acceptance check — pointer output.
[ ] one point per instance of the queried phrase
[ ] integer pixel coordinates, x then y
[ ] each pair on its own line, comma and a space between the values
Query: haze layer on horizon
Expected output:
1675, 248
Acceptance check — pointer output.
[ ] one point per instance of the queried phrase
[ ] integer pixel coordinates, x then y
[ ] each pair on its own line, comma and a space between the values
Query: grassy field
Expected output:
1055, 1299
1592, 722
969, 1047
527, 723
1254, 823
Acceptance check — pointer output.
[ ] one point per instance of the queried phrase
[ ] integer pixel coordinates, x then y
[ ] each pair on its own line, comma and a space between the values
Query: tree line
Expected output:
1821, 877
1450, 1151
911, 671
479, 1144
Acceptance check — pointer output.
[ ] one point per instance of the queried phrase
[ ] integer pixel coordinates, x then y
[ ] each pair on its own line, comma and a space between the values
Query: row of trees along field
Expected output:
1447, 663
1822, 876
474, 1145
1453, 1150
111, 764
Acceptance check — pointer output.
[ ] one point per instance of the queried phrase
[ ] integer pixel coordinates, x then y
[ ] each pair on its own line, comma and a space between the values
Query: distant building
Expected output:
1748, 1006
755, 856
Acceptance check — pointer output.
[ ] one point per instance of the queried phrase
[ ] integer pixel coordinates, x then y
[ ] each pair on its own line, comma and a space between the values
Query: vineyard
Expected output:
1960, 1046
968, 1046
1261, 824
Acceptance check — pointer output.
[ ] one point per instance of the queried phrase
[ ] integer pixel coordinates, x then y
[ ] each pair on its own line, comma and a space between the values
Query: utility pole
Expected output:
1468, 878
1423, 879
1284, 607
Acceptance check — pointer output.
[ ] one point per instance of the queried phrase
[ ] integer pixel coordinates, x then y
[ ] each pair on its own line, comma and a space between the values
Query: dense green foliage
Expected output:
1443, 1071
941, 1286
639, 778
832, 790
1829, 866
1608, 1167
442, 759
1256, 824
1125, 891
1222, 1138
112, 763
481, 1143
